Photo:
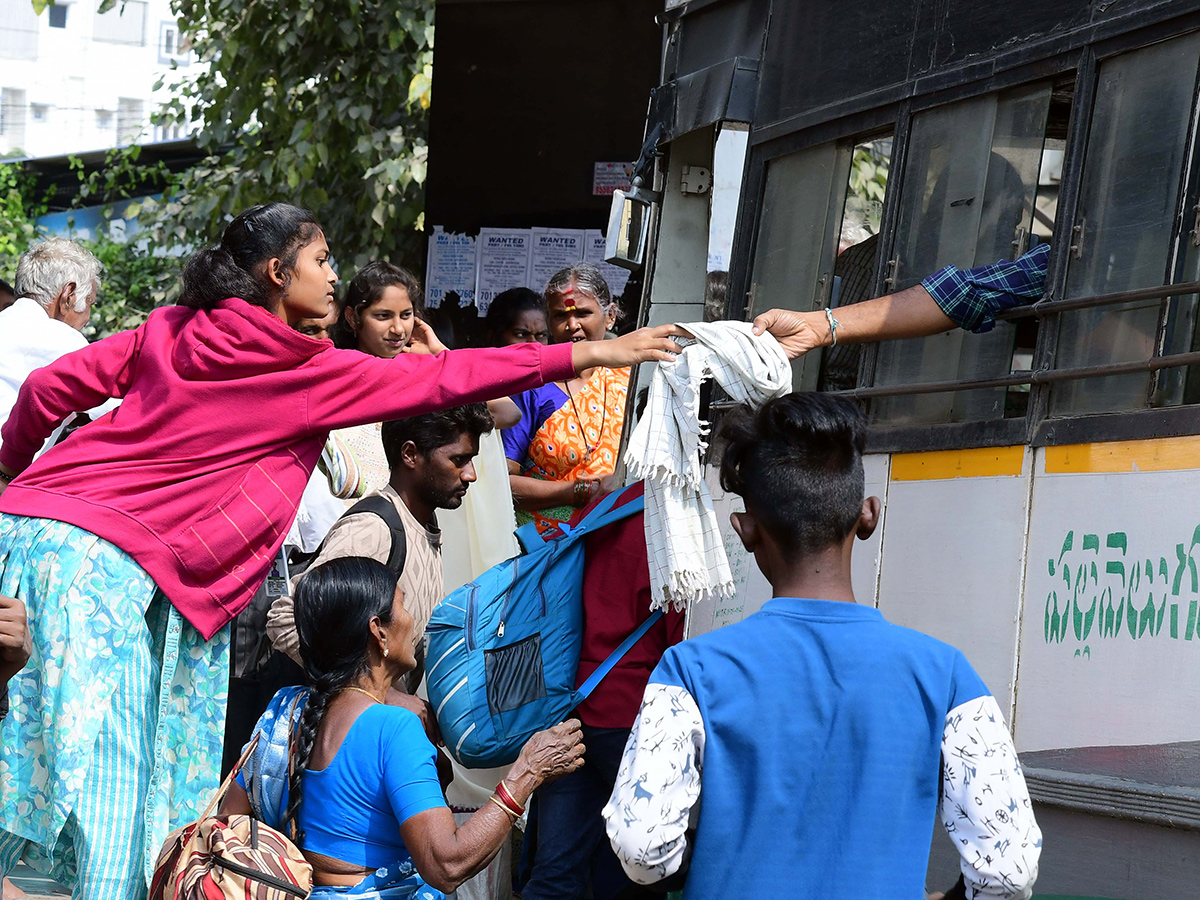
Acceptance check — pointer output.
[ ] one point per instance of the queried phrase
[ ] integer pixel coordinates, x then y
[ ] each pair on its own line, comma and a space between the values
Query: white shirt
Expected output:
29, 339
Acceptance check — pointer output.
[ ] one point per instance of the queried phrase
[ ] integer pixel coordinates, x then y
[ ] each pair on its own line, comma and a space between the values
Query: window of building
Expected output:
12, 118
125, 23
129, 120
39, 112
58, 16
104, 119
173, 47
19, 31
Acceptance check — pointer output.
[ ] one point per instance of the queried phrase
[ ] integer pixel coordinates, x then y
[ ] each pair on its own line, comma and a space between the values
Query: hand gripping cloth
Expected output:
683, 541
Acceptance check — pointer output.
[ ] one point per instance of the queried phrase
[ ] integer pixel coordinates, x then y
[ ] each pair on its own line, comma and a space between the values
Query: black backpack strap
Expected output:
384, 508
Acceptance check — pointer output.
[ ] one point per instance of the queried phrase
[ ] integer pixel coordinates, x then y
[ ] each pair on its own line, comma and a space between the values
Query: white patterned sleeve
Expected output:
985, 804
657, 786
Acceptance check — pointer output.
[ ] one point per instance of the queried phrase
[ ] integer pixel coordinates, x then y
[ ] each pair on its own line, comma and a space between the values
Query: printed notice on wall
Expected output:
593, 252
611, 176
503, 263
450, 268
553, 249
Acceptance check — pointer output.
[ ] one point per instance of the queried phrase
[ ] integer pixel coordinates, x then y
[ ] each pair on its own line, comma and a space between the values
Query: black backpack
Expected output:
386, 510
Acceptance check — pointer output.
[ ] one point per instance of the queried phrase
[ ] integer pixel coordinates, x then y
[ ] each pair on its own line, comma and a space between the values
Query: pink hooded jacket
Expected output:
197, 475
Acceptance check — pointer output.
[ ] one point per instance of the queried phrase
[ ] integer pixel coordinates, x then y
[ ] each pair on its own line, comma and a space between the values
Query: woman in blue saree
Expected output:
353, 780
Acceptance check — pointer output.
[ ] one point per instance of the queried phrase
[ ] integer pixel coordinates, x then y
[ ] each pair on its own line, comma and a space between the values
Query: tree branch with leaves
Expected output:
321, 103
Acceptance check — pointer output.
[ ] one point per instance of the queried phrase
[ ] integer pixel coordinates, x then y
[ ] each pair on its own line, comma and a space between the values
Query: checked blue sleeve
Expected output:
973, 297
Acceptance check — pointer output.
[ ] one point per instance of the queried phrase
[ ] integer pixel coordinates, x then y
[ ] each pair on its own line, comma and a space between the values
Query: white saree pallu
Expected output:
683, 540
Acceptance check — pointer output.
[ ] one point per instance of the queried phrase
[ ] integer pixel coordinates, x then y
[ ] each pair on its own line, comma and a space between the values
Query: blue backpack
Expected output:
503, 650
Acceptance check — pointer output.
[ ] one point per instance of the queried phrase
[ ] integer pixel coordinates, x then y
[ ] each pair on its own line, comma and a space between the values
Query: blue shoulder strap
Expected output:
615, 657
605, 513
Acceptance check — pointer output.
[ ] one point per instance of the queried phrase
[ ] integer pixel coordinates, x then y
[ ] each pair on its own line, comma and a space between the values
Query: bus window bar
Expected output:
1036, 376
1045, 308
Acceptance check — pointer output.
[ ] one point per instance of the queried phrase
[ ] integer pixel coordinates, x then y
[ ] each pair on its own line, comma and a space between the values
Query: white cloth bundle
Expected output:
683, 540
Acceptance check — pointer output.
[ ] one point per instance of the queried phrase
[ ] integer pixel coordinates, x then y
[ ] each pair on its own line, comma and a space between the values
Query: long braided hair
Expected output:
335, 603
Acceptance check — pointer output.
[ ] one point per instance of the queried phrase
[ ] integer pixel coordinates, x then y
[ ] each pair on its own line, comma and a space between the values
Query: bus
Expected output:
1040, 481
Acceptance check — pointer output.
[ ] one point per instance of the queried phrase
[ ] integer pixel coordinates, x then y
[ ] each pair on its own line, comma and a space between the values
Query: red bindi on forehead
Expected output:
566, 300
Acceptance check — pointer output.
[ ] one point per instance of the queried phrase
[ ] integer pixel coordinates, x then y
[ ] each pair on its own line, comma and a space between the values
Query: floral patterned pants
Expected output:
114, 734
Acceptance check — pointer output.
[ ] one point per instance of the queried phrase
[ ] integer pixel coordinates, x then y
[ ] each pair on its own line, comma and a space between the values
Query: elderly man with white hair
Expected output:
56, 283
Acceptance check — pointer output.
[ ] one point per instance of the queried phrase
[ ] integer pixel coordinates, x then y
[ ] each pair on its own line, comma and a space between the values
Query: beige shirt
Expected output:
366, 534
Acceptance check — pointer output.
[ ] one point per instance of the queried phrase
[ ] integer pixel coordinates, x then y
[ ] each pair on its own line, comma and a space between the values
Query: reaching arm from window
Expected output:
986, 808
949, 298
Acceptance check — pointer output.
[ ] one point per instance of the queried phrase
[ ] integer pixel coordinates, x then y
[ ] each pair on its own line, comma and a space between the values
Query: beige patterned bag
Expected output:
230, 858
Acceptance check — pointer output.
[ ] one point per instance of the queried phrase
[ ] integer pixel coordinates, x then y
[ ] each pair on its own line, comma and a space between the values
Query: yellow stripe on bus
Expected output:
977, 463
1153, 455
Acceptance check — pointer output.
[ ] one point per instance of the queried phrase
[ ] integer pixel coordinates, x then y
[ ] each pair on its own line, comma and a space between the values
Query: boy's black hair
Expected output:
433, 430
797, 462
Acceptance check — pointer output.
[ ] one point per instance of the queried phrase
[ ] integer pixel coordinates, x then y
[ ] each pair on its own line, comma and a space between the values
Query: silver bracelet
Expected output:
833, 325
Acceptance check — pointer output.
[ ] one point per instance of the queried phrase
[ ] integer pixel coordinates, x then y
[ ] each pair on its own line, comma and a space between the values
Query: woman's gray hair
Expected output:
587, 278
45, 267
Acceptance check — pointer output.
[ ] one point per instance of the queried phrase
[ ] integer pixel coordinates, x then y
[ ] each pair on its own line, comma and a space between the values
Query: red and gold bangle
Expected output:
507, 799
500, 805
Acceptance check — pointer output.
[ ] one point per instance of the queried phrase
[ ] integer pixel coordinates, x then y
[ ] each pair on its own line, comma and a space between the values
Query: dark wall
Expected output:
527, 96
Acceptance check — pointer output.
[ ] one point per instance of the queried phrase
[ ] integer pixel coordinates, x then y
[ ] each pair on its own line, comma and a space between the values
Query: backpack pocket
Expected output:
514, 675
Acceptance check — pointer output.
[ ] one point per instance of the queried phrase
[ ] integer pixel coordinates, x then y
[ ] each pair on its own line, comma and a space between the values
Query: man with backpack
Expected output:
431, 461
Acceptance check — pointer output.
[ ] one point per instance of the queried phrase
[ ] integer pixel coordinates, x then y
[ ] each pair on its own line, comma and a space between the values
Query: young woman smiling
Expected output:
133, 544
378, 317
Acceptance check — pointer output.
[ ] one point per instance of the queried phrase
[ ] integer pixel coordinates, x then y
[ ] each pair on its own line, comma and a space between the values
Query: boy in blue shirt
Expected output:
806, 750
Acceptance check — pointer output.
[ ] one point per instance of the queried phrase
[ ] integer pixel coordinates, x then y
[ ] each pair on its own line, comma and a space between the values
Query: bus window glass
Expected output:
797, 237
1182, 334
968, 197
729, 163
1123, 226
858, 253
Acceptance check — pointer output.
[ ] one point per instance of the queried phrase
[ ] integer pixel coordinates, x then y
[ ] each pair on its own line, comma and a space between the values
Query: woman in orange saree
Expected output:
563, 452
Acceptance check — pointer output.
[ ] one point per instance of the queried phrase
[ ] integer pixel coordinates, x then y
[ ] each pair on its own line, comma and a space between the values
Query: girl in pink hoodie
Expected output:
136, 541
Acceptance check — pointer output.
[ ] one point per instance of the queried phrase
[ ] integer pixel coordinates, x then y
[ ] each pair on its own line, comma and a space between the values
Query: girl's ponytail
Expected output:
211, 275
260, 233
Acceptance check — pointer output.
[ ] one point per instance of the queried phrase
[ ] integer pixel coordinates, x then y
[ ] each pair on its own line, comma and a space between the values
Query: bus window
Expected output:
797, 237
1123, 227
968, 198
858, 253
729, 164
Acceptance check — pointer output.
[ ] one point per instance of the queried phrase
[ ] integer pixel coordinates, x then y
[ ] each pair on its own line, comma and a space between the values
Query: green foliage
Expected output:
136, 280
139, 273
322, 103
868, 182
120, 178
17, 214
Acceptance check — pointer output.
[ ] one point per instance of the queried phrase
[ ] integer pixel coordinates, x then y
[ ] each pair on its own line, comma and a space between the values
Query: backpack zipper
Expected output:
508, 599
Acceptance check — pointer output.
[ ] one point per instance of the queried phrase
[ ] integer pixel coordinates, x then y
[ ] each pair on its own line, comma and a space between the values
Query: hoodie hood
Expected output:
236, 340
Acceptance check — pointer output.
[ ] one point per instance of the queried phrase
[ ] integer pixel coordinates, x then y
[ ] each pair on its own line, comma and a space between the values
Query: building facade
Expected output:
75, 79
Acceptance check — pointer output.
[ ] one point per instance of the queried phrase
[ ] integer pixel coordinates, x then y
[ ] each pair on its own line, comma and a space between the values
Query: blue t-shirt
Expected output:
383, 774
536, 406
823, 726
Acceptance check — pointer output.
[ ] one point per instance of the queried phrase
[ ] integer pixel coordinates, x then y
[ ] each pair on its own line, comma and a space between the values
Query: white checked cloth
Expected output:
683, 540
